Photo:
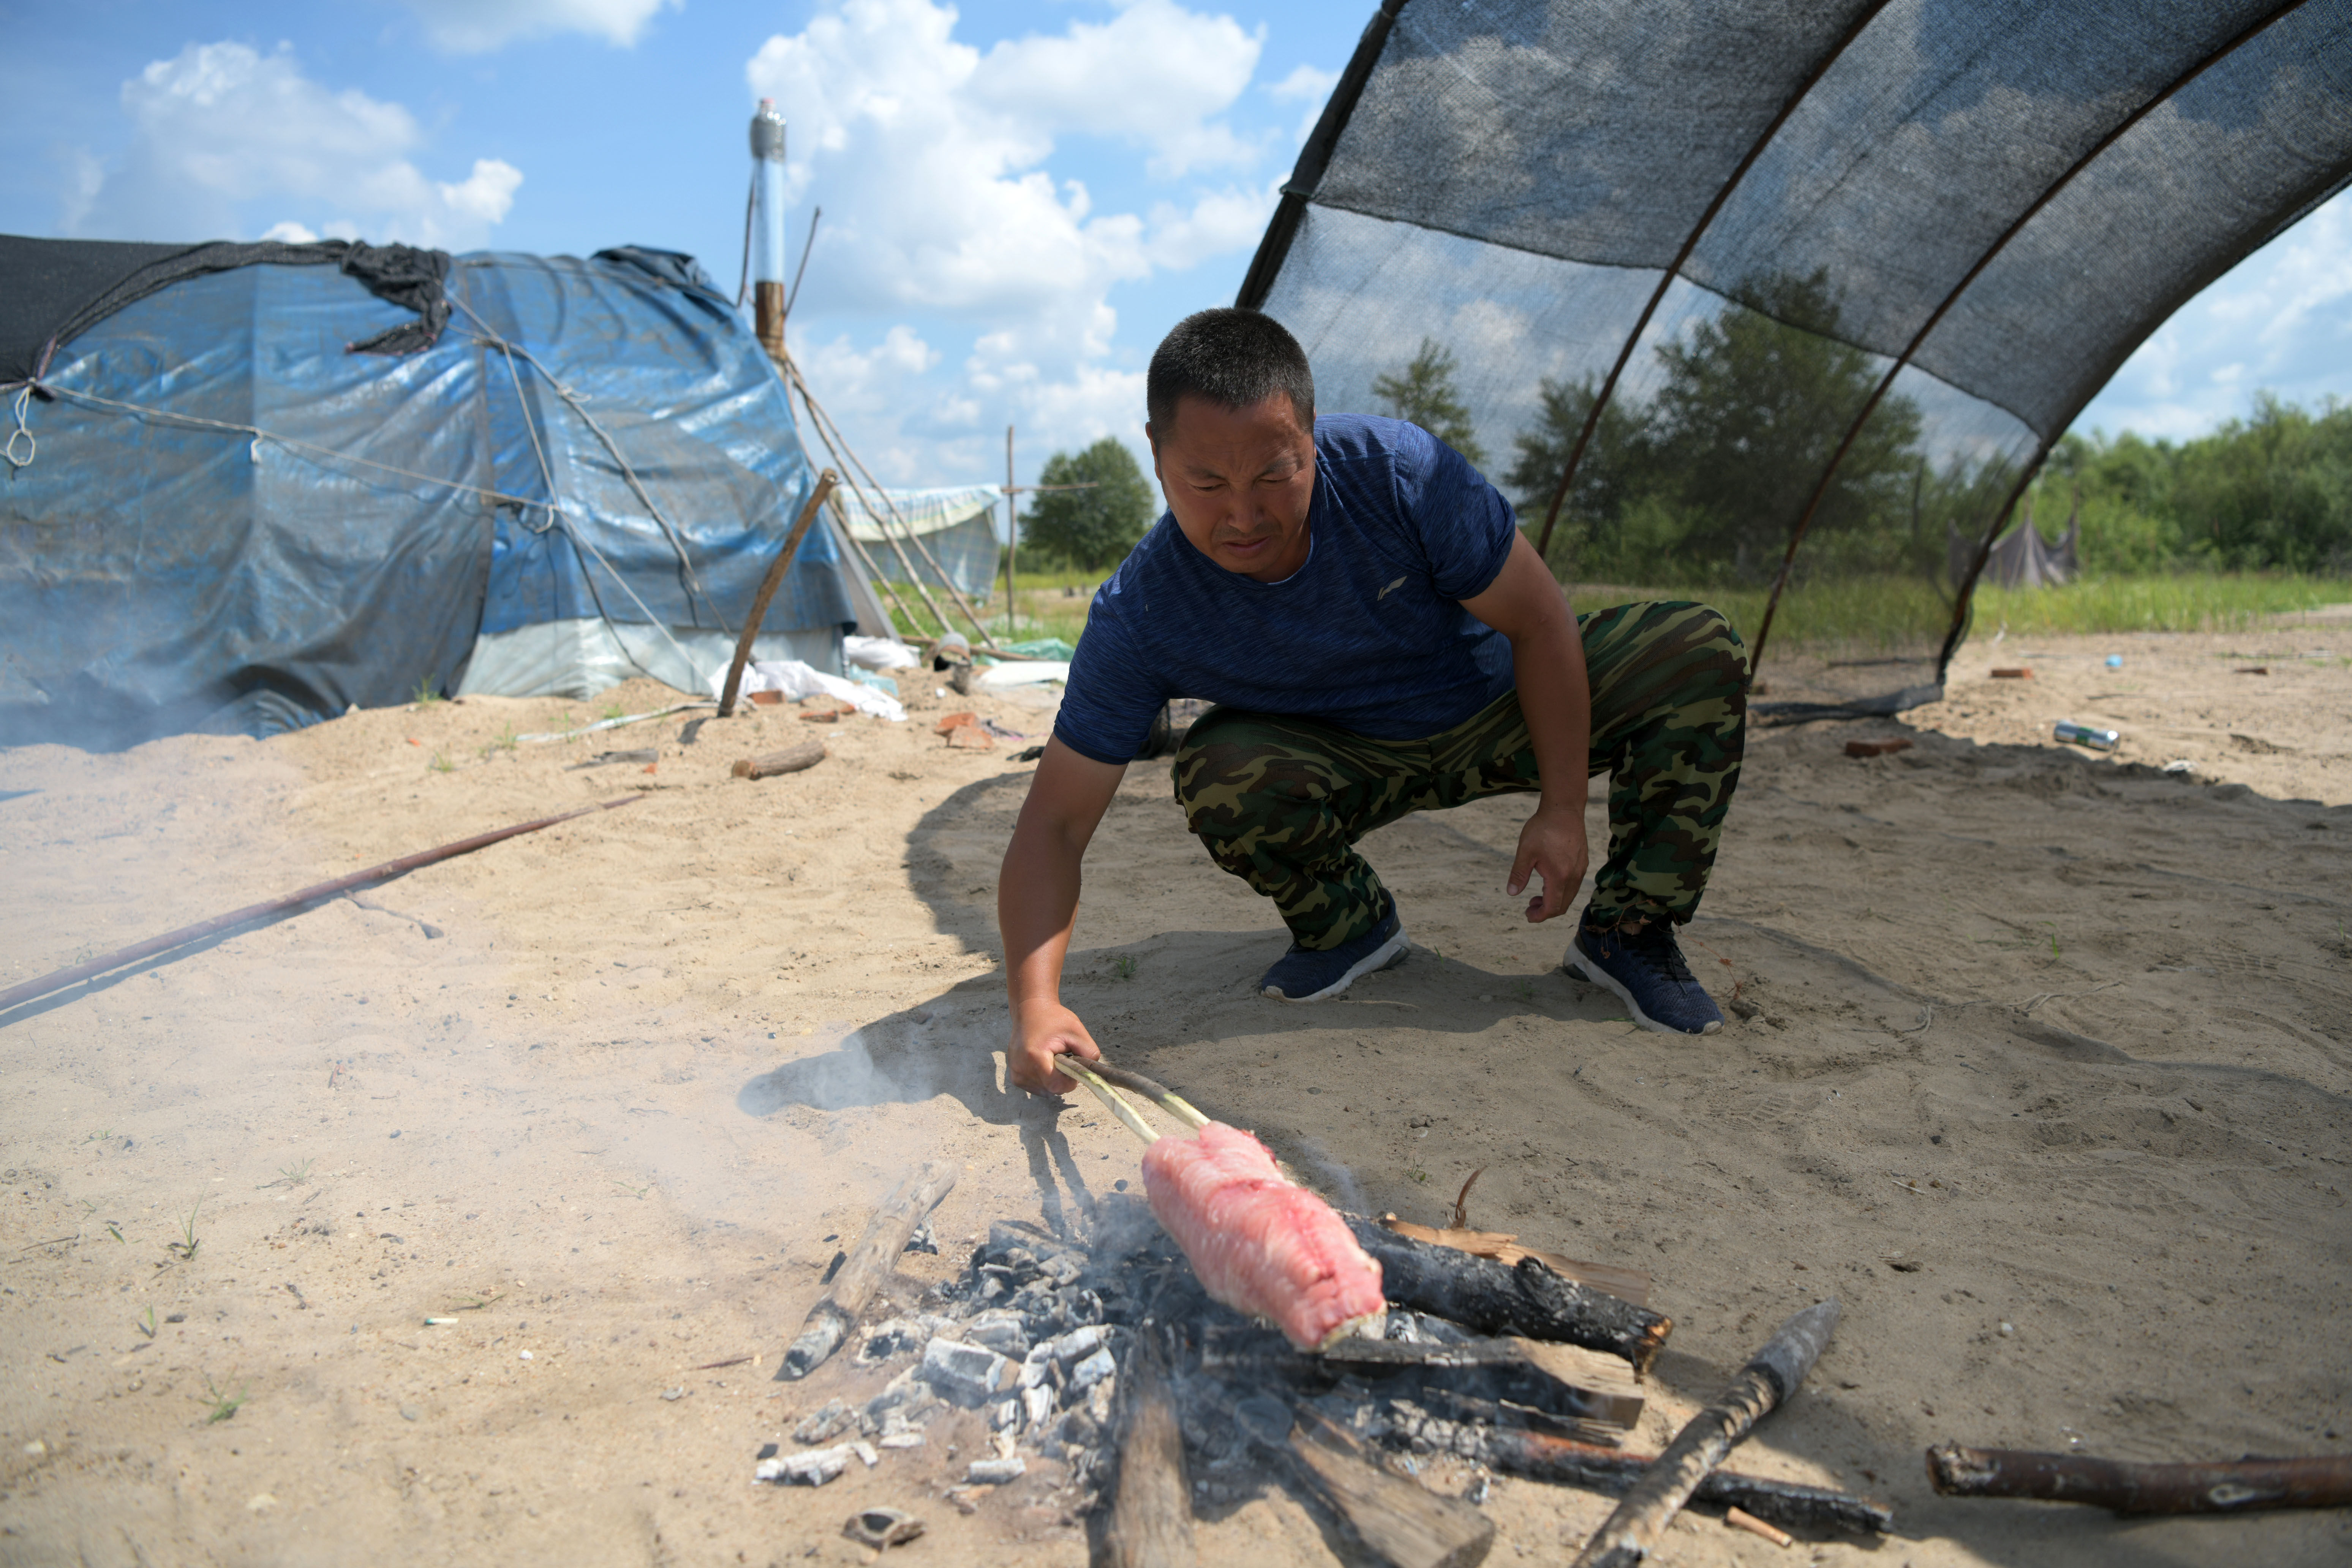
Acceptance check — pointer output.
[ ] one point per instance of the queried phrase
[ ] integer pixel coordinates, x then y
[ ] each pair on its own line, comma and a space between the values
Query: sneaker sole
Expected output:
1380, 957
1596, 976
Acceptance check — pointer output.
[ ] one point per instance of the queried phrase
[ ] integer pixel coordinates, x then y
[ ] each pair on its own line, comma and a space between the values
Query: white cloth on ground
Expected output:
797, 680
878, 653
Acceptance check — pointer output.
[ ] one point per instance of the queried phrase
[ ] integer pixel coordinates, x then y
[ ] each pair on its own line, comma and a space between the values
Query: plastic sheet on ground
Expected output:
1025, 672
796, 680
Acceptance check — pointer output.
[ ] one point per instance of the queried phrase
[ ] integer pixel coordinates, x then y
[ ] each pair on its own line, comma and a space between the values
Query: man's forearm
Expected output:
1556, 696
1036, 906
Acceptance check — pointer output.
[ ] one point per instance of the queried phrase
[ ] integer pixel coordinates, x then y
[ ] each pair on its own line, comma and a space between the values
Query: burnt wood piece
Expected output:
1151, 1517
1625, 1284
2223, 1487
791, 760
1495, 1298
836, 1313
1628, 1535
1397, 1521
1563, 1381
1487, 1437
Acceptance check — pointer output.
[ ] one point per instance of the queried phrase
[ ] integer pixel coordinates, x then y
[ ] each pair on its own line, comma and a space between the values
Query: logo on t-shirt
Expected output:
1387, 591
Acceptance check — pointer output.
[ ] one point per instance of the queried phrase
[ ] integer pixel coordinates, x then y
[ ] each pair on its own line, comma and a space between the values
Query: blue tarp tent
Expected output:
247, 486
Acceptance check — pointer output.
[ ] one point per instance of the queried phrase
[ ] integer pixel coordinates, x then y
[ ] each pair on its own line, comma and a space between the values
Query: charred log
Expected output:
1495, 1297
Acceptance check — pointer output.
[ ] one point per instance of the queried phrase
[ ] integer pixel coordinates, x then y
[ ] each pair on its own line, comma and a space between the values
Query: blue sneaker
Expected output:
1639, 960
1302, 976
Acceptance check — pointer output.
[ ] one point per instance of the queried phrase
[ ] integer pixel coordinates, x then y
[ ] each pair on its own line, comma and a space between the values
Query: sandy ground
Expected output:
2047, 1081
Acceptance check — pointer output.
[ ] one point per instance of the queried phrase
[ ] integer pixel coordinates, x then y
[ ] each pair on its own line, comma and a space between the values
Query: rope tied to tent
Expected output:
23, 432
687, 580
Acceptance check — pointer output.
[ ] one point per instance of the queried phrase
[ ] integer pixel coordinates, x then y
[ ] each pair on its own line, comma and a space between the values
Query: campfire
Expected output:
1102, 1349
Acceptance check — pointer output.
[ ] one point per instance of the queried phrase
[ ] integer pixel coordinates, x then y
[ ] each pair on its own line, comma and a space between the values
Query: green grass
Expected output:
224, 1404
1856, 615
2200, 602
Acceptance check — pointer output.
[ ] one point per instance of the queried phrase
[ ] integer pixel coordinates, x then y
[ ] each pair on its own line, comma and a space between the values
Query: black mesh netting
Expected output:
1837, 273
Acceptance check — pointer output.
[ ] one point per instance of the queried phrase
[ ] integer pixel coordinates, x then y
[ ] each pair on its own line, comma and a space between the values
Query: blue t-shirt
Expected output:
1369, 634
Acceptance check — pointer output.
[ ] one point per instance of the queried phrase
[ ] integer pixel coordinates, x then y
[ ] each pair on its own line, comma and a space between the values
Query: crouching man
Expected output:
1378, 640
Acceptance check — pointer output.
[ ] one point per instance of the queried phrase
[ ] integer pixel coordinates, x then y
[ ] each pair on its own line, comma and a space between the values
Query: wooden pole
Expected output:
1151, 1517
1771, 1376
769, 584
836, 1313
2227, 1486
1011, 532
316, 893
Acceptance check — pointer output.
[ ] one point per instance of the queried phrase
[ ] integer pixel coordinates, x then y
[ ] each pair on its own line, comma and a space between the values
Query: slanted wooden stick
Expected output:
1176, 1105
836, 1313
1128, 1115
768, 586
1771, 1376
300, 900
2227, 1487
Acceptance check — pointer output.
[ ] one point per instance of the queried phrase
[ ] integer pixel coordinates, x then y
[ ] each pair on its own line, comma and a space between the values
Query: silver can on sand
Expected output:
2075, 735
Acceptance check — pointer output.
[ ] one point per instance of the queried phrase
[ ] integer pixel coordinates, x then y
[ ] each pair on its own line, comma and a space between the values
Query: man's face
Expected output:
1239, 482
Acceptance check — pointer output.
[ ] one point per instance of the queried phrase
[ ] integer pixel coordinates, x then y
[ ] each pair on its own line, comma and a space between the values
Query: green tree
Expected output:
1090, 528
1750, 415
1425, 395
1615, 466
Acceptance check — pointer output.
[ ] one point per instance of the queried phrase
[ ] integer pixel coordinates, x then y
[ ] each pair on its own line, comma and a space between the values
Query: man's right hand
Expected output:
1042, 1030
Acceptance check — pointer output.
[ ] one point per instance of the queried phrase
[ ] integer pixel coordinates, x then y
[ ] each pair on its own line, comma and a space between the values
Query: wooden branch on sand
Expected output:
836, 1313
1771, 1376
791, 760
1527, 1298
2226, 1487
1151, 1516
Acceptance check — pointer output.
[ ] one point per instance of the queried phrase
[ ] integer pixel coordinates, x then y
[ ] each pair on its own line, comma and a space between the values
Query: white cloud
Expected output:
471, 27
931, 159
2281, 321
1310, 85
218, 126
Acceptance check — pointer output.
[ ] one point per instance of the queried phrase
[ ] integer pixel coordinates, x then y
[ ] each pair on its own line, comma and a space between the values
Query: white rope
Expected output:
23, 432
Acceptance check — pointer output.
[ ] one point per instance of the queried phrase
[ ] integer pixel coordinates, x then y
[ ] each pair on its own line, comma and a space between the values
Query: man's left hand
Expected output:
1553, 845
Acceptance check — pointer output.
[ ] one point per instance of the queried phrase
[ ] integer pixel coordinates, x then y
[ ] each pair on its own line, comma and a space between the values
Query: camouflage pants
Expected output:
1281, 801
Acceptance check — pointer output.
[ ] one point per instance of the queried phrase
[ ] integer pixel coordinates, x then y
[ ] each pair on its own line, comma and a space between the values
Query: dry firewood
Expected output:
1493, 1298
2223, 1487
1487, 1434
836, 1313
1626, 1284
1396, 1520
1151, 1516
1771, 1376
791, 760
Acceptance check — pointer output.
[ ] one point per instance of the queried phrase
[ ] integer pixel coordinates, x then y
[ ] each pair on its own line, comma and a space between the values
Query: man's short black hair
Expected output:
1236, 359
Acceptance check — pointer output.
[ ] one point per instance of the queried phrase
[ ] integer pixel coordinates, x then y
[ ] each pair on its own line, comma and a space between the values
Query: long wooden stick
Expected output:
316, 893
768, 586
2225, 1487
1771, 1376
1175, 1104
836, 1313
1127, 1113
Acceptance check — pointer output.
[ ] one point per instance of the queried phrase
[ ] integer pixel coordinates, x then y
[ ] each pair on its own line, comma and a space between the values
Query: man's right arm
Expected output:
1037, 904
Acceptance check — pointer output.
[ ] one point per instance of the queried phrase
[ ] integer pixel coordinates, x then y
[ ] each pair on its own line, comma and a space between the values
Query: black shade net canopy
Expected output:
1780, 303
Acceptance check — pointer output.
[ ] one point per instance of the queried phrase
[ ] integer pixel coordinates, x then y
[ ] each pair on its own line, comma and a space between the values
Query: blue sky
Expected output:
1018, 197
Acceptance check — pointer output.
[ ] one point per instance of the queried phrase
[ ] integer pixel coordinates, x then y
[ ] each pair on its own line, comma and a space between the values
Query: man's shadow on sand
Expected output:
951, 1043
